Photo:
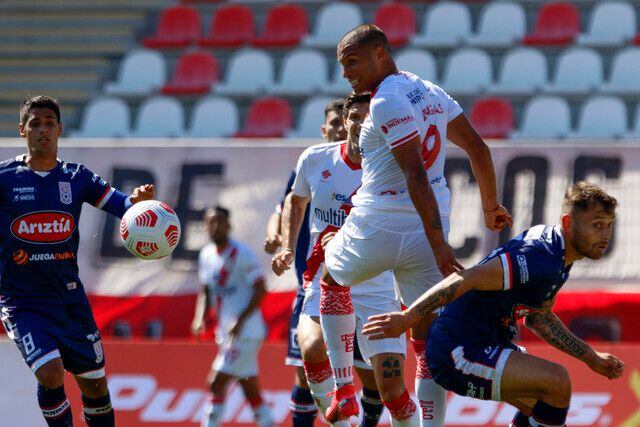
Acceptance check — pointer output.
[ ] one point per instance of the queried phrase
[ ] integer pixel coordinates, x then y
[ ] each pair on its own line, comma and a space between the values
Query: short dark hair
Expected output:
364, 98
583, 195
366, 34
219, 210
334, 105
38, 101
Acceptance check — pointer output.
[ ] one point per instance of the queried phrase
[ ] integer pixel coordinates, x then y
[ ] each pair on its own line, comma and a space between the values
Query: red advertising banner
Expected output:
163, 384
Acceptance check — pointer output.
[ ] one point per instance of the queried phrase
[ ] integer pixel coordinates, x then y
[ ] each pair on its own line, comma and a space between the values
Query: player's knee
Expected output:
312, 347
51, 375
558, 386
390, 391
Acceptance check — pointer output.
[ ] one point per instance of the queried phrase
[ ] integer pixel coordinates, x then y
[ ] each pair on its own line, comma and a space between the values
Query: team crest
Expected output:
65, 192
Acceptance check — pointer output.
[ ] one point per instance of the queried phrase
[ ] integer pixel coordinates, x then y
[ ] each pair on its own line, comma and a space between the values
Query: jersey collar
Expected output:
346, 159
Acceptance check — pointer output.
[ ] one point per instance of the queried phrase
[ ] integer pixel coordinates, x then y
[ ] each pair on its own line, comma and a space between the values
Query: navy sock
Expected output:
55, 406
372, 407
544, 414
520, 420
98, 412
303, 407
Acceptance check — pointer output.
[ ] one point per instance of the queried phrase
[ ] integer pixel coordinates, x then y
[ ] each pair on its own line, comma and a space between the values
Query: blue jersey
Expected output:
533, 270
304, 237
39, 218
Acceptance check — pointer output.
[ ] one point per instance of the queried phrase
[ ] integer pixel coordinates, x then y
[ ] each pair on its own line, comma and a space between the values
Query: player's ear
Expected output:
565, 221
323, 131
21, 130
59, 129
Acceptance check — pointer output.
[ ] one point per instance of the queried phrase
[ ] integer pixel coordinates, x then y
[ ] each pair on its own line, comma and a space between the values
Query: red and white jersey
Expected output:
230, 276
403, 107
326, 175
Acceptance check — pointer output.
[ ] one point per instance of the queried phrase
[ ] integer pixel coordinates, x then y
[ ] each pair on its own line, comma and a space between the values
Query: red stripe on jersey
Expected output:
317, 255
346, 159
400, 141
103, 196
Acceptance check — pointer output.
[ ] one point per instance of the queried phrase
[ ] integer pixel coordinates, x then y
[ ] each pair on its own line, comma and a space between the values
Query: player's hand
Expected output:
281, 262
446, 259
144, 192
197, 326
272, 243
326, 239
607, 365
388, 325
498, 218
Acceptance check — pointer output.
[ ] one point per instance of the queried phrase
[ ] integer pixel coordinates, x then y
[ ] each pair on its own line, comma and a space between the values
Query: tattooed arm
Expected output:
485, 277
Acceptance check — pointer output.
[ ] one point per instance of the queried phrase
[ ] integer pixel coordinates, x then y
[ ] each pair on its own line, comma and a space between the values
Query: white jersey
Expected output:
230, 276
326, 175
403, 107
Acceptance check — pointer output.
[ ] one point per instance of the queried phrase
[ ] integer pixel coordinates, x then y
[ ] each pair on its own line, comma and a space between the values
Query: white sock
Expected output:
338, 327
320, 383
403, 411
263, 417
214, 413
432, 398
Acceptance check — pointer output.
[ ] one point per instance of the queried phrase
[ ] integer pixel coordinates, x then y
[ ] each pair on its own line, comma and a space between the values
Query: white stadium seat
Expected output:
250, 71
446, 24
141, 73
303, 72
334, 20
105, 118
419, 62
501, 24
213, 117
523, 71
311, 118
467, 71
160, 117
339, 85
625, 71
578, 71
612, 24
545, 117
602, 117
635, 132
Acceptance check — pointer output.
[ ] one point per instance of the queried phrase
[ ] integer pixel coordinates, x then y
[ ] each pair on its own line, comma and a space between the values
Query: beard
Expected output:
583, 247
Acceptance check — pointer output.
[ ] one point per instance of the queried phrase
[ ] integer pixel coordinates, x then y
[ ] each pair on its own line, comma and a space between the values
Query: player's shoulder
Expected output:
10, 164
546, 239
243, 250
207, 250
320, 151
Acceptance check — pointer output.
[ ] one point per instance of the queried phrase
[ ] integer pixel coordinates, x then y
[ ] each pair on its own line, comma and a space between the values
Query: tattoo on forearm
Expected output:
391, 367
553, 331
442, 295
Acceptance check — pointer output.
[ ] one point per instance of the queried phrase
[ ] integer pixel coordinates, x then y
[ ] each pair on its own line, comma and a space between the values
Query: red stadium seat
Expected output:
231, 26
179, 26
398, 22
285, 26
492, 118
267, 118
557, 24
194, 75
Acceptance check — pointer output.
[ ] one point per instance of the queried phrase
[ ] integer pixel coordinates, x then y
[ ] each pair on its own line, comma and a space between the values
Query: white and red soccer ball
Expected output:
150, 229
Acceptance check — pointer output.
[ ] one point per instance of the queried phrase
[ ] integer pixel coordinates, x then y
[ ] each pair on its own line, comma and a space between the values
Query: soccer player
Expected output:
326, 177
234, 284
472, 355
400, 218
43, 304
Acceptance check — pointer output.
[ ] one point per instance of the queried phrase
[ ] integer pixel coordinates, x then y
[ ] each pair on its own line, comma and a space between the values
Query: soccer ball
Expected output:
150, 229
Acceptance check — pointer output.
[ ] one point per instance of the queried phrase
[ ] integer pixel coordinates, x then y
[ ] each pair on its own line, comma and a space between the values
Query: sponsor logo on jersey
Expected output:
326, 173
24, 193
341, 198
524, 269
43, 227
415, 96
21, 257
23, 190
331, 216
431, 109
65, 192
395, 122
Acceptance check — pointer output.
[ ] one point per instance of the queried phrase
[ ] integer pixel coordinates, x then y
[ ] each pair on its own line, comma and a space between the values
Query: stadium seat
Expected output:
612, 24
250, 71
334, 20
502, 24
179, 26
142, 72
578, 71
303, 72
311, 118
446, 24
194, 75
398, 21
558, 24
213, 117
635, 131
492, 118
105, 118
267, 118
419, 62
338, 85
545, 117
231, 26
160, 117
285, 26
523, 71
467, 71
592, 123
624, 73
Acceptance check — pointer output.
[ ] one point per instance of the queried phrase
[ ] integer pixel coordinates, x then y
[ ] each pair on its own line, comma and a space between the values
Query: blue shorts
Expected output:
294, 357
43, 333
468, 368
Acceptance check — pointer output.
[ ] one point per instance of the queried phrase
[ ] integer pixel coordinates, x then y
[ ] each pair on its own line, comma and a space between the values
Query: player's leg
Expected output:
524, 406
214, 412
370, 400
261, 412
96, 401
52, 398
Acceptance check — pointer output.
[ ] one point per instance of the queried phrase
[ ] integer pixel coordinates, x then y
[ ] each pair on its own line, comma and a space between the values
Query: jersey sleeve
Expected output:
526, 267
300, 186
395, 119
450, 105
100, 194
250, 267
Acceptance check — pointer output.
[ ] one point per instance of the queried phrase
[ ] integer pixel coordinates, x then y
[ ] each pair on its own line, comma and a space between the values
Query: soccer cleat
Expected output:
343, 405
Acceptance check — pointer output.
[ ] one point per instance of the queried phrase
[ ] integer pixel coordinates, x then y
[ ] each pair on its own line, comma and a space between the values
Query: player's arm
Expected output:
546, 325
200, 316
484, 277
408, 156
292, 218
259, 291
462, 133
274, 239
103, 196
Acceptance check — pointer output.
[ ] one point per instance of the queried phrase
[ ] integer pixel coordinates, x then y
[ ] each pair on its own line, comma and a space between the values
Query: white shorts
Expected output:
238, 358
373, 241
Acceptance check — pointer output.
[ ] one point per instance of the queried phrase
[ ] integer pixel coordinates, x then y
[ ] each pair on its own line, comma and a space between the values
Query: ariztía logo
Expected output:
326, 173
43, 227
20, 257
